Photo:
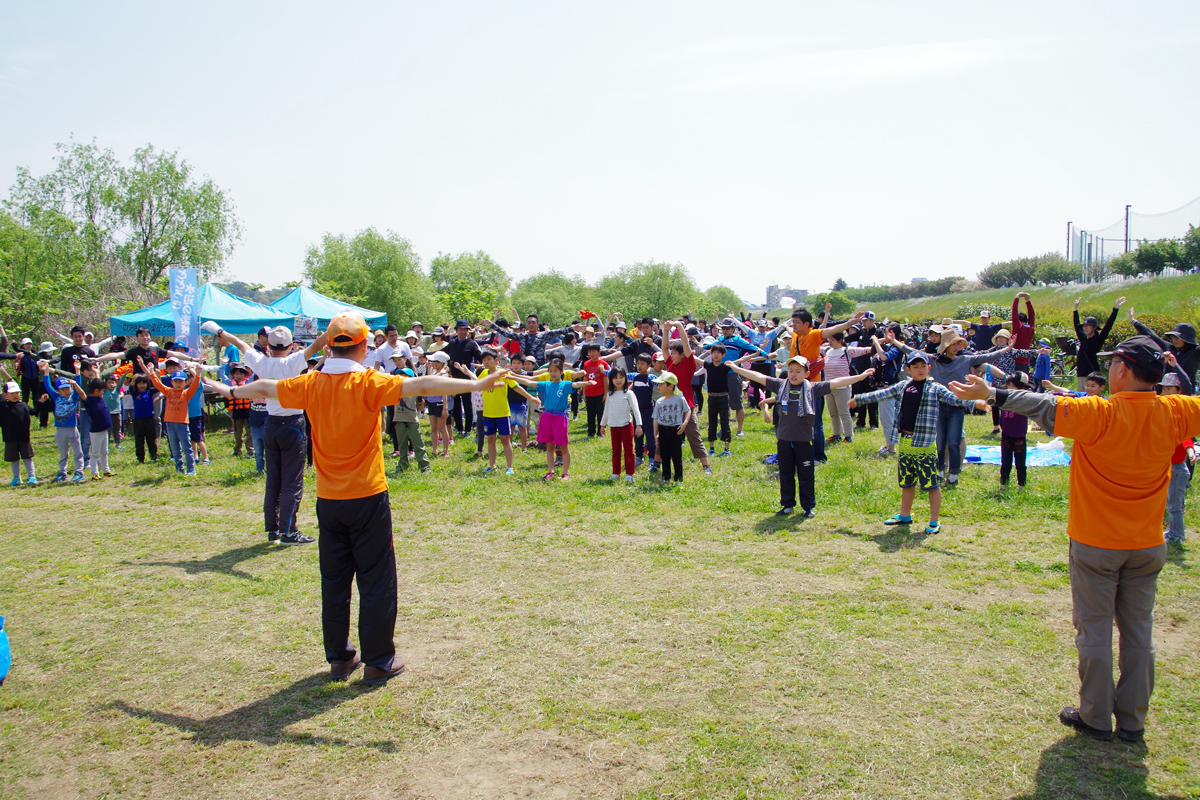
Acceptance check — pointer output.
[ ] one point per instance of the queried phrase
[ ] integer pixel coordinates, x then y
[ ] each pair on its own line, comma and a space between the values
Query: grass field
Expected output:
572, 640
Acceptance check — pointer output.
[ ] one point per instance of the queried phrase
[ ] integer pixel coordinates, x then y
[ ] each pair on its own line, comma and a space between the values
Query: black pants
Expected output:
283, 458
391, 427
698, 394
763, 368
1012, 448
670, 450
308, 439
595, 409
796, 469
356, 544
31, 389
718, 411
462, 413
643, 445
144, 436
995, 417
862, 412
575, 403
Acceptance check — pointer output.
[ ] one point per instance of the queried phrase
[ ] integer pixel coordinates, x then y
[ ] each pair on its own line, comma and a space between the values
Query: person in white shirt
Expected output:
623, 418
381, 357
284, 434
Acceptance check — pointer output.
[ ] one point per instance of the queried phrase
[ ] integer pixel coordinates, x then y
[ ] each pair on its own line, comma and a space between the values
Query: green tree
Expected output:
1056, 273
840, 285
381, 272
648, 289
1189, 248
464, 301
477, 270
723, 299
1019, 270
842, 306
553, 296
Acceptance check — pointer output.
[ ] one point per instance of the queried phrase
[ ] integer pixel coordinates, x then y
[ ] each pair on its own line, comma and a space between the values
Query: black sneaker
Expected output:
784, 512
1130, 736
295, 538
1069, 716
272, 536
808, 513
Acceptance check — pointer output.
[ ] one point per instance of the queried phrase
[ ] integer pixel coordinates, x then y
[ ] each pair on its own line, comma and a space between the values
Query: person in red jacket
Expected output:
1022, 330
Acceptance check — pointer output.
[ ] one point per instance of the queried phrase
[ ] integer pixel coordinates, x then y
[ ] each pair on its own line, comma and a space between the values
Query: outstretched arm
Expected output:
849, 380
439, 384
1041, 408
256, 390
749, 375
826, 332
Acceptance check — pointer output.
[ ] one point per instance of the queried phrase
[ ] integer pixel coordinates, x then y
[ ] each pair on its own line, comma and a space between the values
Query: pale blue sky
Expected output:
754, 142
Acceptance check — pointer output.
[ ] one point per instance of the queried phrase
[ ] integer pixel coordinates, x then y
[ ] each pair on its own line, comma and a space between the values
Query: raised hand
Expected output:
1120, 302
1131, 317
1077, 299
1170, 360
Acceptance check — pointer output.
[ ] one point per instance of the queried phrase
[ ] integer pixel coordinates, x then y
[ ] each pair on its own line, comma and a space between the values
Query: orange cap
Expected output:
347, 329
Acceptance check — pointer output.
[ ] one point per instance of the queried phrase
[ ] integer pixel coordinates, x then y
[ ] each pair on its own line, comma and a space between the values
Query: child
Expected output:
496, 413
671, 414
838, 364
916, 403
408, 430
1093, 386
97, 409
646, 392
554, 394
1041, 369
1181, 473
1014, 428
796, 412
623, 418
144, 421
518, 408
438, 409
127, 404
239, 410
175, 414
112, 401
593, 396
64, 391
16, 419
196, 427
258, 432
717, 372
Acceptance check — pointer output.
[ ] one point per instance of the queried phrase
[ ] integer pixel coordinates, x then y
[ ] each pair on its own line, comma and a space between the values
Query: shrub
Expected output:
972, 310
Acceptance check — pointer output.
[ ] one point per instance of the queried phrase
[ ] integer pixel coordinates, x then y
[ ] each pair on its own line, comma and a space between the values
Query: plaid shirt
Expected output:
925, 429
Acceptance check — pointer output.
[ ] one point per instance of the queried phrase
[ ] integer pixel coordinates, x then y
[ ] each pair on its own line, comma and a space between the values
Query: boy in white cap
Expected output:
15, 422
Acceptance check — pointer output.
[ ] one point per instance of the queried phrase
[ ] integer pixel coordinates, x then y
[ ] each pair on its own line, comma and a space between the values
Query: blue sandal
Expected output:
933, 527
896, 519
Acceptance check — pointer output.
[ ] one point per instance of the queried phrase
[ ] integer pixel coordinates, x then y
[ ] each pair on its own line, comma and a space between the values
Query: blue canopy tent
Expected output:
232, 313
304, 302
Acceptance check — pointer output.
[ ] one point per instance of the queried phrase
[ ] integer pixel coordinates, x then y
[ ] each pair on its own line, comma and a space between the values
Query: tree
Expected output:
1057, 273
1190, 248
649, 289
1125, 264
840, 285
1153, 257
1019, 271
381, 272
554, 297
723, 299
477, 270
464, 301
842, 306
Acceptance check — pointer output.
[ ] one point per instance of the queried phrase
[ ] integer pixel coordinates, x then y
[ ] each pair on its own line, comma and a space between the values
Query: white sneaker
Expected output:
952, 479
613, 477
629, 479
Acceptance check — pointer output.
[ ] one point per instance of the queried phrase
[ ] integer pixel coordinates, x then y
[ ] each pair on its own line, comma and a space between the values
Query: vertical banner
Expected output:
185, 306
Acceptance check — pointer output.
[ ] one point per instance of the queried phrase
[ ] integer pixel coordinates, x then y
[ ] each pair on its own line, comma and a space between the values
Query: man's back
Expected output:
1121, 464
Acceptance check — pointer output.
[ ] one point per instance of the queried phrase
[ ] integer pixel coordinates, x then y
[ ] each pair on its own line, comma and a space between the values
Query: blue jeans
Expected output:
1176, 491
949, 437
180, 439
256, 436
819, 430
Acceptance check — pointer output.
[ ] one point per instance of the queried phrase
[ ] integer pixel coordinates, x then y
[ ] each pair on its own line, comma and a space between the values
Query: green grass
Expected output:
581, 639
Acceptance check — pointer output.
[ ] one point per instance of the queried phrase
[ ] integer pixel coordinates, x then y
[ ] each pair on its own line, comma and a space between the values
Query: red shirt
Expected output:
597, 371
684, 371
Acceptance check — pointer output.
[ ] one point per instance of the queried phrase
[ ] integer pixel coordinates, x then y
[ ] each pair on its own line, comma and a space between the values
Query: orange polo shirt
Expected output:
809, 346
1121, 464
344, 410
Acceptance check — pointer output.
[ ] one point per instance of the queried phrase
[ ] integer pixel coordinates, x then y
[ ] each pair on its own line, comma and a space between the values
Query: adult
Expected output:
89, 339
1120, 473
284, 434
643, 342
464, 350
72, 356
980, 334
532, 340
1182, 344
150, 353
683, 366
806, 341
1091, 342
354, 515
862, 334
423, 338
381, 357
1023, 326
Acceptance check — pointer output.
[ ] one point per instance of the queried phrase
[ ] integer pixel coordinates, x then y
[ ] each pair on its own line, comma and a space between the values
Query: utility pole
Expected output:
1127, 228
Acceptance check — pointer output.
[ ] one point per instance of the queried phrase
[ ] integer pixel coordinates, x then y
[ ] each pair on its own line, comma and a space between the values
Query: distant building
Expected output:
775, 295
920, 280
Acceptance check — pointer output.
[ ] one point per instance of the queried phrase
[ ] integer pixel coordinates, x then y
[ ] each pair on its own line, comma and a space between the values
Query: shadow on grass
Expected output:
772, 525
264, 720
1077, 766
221, 563
153, 480
899, 538
1177, 555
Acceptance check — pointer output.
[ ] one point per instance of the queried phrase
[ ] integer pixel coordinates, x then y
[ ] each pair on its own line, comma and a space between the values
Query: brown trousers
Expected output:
241, 427
1119, 585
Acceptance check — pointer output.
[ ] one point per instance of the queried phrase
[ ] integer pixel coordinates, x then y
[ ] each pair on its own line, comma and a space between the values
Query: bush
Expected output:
972, 310
842, 306
963, 286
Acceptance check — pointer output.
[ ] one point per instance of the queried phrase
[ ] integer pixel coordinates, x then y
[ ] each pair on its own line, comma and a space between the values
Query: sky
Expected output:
755, 143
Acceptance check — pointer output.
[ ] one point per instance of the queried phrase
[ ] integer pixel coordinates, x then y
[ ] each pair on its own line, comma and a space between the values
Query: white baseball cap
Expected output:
279, 337
441, 356
12, 386
26, 341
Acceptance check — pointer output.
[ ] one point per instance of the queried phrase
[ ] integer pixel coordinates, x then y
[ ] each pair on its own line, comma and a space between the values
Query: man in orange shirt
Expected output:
806, 341
1120, 471
354, 516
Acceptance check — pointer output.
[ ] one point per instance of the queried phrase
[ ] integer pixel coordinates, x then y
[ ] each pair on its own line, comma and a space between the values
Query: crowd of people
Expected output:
335, 401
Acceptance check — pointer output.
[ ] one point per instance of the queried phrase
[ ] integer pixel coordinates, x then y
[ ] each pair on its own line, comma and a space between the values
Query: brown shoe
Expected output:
374, 676
341, 670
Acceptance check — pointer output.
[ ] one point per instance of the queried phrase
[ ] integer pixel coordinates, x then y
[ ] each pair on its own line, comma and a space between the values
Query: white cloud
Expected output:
859, 67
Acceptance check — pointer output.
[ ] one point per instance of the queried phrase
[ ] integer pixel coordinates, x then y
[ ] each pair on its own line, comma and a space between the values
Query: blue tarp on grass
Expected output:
990, 454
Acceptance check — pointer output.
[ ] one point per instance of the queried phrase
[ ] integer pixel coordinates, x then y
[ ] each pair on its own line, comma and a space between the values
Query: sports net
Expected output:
1098, 245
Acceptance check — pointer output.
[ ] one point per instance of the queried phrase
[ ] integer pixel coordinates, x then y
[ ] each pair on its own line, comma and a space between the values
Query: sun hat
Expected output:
411, 335
1184, 331
46, 346
279, 337
179, 375
347, 329
1002, 334
1095, 323
1169, 379
949, 337
668, 377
